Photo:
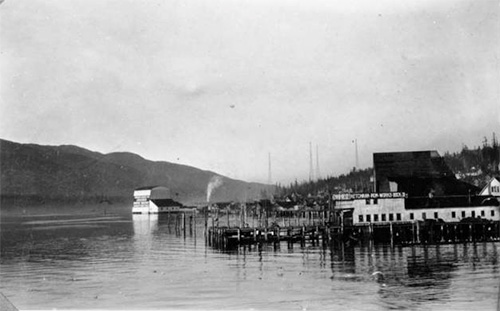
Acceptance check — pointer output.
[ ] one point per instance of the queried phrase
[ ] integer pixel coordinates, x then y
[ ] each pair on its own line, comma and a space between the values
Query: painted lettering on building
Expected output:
360, 196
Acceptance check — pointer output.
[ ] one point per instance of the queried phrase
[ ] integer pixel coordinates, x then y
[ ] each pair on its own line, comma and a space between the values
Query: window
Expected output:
436, 215
453, 215
463, 214
482, 213
424, 216
495, 188
375, 201
383, 217
391, 217
398, 216
360, 218
368, 218
473, 214
492, 213
412, 216
375, 217
367, 201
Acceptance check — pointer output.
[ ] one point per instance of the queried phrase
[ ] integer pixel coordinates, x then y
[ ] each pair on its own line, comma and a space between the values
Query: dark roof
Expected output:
421, 164
147, 187
417, 173
165, 202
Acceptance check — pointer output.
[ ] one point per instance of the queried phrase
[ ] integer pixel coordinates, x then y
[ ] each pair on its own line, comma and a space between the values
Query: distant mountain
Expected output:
73, 174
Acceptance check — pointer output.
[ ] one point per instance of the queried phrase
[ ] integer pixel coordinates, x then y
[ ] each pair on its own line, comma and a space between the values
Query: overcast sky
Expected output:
219, 84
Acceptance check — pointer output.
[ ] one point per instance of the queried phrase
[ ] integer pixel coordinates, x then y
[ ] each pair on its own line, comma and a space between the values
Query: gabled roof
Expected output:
166, 202
485, 190
146, 188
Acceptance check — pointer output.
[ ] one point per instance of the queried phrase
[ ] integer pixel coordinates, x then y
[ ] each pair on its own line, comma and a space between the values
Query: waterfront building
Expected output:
417, 186
154, 200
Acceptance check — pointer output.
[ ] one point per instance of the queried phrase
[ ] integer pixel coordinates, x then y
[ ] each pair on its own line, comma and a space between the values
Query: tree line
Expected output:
473, 165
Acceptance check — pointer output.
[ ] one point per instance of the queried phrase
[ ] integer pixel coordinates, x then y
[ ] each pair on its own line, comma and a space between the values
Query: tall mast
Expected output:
311, 173
357, 158
317, 163
269, 180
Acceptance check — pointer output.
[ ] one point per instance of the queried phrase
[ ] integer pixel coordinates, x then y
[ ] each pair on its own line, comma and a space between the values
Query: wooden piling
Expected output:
206, 223
391, 233
418, 232
184, 223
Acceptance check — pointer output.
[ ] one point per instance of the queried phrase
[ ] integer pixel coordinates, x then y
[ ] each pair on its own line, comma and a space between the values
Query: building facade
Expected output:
391, 207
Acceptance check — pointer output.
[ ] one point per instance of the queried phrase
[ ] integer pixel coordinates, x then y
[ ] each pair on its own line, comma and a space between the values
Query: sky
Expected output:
222, 84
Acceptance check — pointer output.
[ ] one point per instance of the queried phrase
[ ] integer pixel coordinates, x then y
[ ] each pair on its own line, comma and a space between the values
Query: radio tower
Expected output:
317, 163
311, 173
269, 180
357, 158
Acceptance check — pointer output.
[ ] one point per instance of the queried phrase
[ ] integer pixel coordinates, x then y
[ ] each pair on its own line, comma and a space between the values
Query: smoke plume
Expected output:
214, 183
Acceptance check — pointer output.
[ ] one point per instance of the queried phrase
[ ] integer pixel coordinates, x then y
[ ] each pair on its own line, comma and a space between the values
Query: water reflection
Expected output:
114, 262
145, 224
58, 237
407, 277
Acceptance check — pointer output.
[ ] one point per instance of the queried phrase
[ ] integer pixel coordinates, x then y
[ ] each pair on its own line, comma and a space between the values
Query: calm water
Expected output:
120, 261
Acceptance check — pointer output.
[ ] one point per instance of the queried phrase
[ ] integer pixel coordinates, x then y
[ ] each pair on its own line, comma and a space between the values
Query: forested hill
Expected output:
475, 166
70, 173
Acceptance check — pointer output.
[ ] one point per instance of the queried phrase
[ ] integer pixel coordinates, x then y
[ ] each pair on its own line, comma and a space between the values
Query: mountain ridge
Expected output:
73, 173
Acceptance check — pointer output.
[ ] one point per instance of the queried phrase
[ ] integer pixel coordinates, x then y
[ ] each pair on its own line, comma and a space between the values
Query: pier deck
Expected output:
394, 233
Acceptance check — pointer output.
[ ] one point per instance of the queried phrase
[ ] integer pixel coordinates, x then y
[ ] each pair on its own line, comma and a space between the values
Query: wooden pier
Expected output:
410, 233
319, 227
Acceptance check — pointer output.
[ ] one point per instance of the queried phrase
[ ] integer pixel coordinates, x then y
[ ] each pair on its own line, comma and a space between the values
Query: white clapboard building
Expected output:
492, 188
154, 200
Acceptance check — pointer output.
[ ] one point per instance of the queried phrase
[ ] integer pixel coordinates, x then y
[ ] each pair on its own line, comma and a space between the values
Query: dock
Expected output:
316, 230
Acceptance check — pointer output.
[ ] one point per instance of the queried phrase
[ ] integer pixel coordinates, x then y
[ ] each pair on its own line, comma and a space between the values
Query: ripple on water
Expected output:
147, 264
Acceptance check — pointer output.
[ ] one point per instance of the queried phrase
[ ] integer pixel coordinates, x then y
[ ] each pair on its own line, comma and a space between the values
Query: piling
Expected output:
184, 223
392, 234
307, 227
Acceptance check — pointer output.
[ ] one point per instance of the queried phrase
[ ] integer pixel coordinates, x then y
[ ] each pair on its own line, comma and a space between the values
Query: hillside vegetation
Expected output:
475, 166
39, 174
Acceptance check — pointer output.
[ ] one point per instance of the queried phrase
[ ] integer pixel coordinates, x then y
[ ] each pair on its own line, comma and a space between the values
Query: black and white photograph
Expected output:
249, 155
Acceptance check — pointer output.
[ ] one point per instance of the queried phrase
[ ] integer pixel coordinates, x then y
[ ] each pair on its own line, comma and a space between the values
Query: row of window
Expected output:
383, 217
495, 188
472, 214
